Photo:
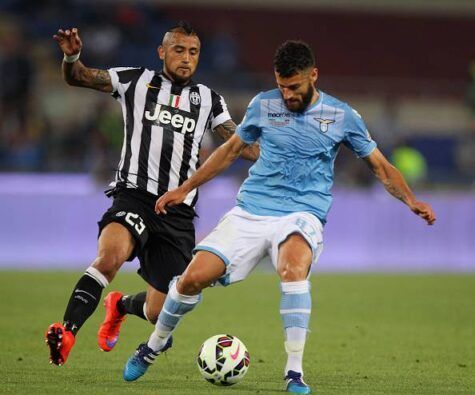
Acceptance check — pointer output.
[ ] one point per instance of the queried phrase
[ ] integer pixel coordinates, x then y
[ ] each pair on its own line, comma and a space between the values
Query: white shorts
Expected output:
242, 239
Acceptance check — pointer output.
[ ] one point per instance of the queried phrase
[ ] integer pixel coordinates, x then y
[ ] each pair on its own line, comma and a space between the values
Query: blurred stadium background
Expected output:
407, 66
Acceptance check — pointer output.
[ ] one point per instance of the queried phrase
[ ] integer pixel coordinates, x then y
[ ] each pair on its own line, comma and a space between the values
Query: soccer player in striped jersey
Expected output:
165, 117
281, 207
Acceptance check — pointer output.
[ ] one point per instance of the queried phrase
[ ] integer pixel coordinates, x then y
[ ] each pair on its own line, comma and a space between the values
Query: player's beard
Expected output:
179, 79
306, 99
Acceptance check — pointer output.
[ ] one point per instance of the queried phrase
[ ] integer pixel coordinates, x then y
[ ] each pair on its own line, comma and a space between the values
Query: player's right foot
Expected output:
60, 342
108, 333
295, 384
143, 357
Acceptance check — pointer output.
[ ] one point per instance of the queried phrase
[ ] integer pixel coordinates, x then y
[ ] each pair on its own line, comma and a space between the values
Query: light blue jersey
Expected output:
295, 169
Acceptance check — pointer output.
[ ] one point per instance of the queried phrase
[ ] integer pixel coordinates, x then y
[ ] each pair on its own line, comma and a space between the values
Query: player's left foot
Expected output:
143, 357
60, 342
108, 333
295, 384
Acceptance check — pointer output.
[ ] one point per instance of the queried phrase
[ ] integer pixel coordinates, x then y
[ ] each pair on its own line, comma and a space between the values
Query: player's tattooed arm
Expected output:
227, 129
75, 73
396, 185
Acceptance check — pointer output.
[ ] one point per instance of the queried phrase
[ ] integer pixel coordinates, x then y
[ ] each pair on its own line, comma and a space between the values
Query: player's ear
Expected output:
314, 75
161, 52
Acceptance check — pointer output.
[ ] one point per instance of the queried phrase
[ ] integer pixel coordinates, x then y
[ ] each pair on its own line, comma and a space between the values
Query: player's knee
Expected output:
191, 283
108, 263
293, 272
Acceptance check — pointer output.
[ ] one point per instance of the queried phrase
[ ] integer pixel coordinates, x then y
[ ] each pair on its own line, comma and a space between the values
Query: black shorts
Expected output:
164, 242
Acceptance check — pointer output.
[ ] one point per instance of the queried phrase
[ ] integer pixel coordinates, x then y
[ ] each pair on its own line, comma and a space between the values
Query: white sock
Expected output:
294, 345
159, 336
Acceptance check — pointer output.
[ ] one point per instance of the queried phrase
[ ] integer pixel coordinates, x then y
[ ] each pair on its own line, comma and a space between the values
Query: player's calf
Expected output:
175, 307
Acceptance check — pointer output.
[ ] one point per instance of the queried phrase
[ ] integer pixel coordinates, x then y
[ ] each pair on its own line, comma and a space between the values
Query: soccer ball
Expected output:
223, 360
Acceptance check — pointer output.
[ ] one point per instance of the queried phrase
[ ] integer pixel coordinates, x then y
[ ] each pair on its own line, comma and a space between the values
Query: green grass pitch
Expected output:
370, 334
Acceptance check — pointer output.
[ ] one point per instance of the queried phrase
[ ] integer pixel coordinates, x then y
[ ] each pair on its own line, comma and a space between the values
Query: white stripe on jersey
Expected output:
221, 118
124, 143
179, 146
139, 107
205, 94
156, 140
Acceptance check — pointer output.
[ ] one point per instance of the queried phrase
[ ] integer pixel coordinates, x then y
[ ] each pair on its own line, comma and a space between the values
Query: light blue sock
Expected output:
295, 309
175, 307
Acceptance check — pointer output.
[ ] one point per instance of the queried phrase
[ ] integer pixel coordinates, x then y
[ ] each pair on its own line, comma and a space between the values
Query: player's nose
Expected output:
186, 57
287, 93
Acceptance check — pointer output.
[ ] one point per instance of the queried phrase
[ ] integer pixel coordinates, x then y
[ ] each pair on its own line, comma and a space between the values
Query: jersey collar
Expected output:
317, 103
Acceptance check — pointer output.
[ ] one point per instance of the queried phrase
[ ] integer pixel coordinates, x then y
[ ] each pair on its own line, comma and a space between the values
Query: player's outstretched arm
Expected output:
74, 72
395, 184
218, 161
227, 129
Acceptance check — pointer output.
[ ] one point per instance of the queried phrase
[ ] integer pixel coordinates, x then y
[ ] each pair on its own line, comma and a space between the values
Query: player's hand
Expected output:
424, 211
69, 41
170, 198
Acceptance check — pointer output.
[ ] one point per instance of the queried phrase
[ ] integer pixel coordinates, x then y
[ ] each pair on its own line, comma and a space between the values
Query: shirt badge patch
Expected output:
174, 101
324, 124
195, 98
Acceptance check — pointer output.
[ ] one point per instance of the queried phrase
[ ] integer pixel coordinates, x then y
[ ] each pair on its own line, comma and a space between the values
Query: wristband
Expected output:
72, 58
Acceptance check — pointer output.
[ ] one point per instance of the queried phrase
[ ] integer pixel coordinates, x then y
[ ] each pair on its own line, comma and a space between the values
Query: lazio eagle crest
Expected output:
324, 124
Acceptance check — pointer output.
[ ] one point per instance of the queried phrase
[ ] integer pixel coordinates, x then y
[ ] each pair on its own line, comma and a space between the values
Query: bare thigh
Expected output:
295, 258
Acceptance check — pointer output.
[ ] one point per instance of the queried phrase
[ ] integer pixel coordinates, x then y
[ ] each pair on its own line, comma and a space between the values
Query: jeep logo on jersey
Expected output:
171, 118
324, 124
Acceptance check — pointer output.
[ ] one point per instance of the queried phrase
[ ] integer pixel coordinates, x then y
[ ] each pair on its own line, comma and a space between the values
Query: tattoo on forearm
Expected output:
79, 75
97, 79
226, 129
394, 190
253, 152
100, 77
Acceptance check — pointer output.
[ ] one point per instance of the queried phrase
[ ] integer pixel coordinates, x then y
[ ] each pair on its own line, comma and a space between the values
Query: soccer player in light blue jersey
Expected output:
281, 207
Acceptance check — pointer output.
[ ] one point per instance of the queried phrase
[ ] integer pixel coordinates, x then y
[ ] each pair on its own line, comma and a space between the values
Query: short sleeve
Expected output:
357, 137
219, 110
248, 130
120, 79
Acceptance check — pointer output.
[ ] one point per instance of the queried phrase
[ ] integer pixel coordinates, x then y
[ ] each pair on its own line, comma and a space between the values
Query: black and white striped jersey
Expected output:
164, 124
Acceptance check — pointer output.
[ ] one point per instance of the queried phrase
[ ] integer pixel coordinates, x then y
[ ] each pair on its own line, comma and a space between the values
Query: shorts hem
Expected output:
213, 251
314, 250
158, 287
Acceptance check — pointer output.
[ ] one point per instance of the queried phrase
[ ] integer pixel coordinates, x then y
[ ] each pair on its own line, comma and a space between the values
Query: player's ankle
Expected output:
70, 327
121, 306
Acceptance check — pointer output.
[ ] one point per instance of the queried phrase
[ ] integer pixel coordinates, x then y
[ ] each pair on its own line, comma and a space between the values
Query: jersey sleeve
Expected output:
120, 79
219, 110
249, 130
357, 137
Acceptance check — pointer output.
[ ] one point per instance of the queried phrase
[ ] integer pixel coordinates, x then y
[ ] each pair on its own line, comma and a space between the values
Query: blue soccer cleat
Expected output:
143, 357
295, 384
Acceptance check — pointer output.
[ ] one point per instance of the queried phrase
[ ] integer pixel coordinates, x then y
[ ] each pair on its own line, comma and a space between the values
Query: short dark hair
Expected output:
293, 56
183, 27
